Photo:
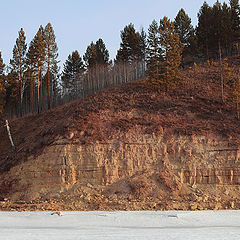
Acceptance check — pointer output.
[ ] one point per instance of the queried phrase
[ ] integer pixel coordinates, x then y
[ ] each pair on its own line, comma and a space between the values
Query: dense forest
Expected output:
32, 81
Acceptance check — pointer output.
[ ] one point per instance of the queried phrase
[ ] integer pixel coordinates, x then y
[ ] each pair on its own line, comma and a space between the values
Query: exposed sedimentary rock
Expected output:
194, 160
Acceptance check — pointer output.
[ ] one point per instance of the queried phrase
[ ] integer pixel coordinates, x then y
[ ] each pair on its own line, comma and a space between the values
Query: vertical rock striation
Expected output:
191, 159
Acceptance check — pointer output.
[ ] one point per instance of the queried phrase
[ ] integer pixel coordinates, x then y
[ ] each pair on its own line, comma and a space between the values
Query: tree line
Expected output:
32, 81
30, 84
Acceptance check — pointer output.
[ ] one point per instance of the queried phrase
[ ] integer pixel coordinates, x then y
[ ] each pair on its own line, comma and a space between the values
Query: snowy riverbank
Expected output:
120, 225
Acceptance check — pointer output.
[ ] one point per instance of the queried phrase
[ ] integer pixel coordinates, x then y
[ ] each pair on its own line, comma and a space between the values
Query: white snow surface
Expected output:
120, 225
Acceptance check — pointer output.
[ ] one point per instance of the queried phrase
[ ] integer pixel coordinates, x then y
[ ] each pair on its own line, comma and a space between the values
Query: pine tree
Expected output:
18, 64
172, 50
131, 47
102, 54
183, 27
11, 86
96, 54
39, 58
2, 85
2, 65
51, 57
221, 34
103, 63
203, 30
214, 30
55, 88
90, 56
72, 71
185, 31
143, 44
31, 72
154, 52
220, 26
227, 29
143, 48
235, 18
96, 59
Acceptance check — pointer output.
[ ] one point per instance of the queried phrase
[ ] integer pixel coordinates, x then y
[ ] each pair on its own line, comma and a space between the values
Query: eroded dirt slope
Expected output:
130, 147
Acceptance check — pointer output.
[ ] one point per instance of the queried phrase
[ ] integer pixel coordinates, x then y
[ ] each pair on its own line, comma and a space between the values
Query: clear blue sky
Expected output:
78, 22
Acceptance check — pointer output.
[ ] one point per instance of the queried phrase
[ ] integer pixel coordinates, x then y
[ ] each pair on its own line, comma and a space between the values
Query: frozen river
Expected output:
120, 225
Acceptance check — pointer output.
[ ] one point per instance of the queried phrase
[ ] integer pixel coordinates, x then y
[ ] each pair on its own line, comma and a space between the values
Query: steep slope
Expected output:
130, 147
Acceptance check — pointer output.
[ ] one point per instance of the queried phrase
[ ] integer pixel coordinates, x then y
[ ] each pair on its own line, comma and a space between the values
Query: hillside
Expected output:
128, 147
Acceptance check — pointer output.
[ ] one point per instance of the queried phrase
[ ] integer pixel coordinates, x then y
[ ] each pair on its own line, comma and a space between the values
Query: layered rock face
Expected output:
194, 160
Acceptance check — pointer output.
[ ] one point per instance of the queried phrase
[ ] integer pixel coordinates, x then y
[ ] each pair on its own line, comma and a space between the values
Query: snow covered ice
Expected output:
120, 225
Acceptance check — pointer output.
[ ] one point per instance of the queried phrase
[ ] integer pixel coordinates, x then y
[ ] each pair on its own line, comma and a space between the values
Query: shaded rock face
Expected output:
190, 159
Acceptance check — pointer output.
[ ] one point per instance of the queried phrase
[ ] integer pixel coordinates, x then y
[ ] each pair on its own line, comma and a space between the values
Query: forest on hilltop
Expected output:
32, 82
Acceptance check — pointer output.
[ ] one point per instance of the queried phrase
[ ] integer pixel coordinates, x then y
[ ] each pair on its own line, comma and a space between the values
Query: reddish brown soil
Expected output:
194, 106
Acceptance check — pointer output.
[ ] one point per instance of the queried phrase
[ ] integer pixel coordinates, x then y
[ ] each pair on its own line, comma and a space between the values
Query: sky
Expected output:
77, 23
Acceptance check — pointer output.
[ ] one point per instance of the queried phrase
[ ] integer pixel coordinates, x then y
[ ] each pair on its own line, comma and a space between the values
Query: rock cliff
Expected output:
194, 160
